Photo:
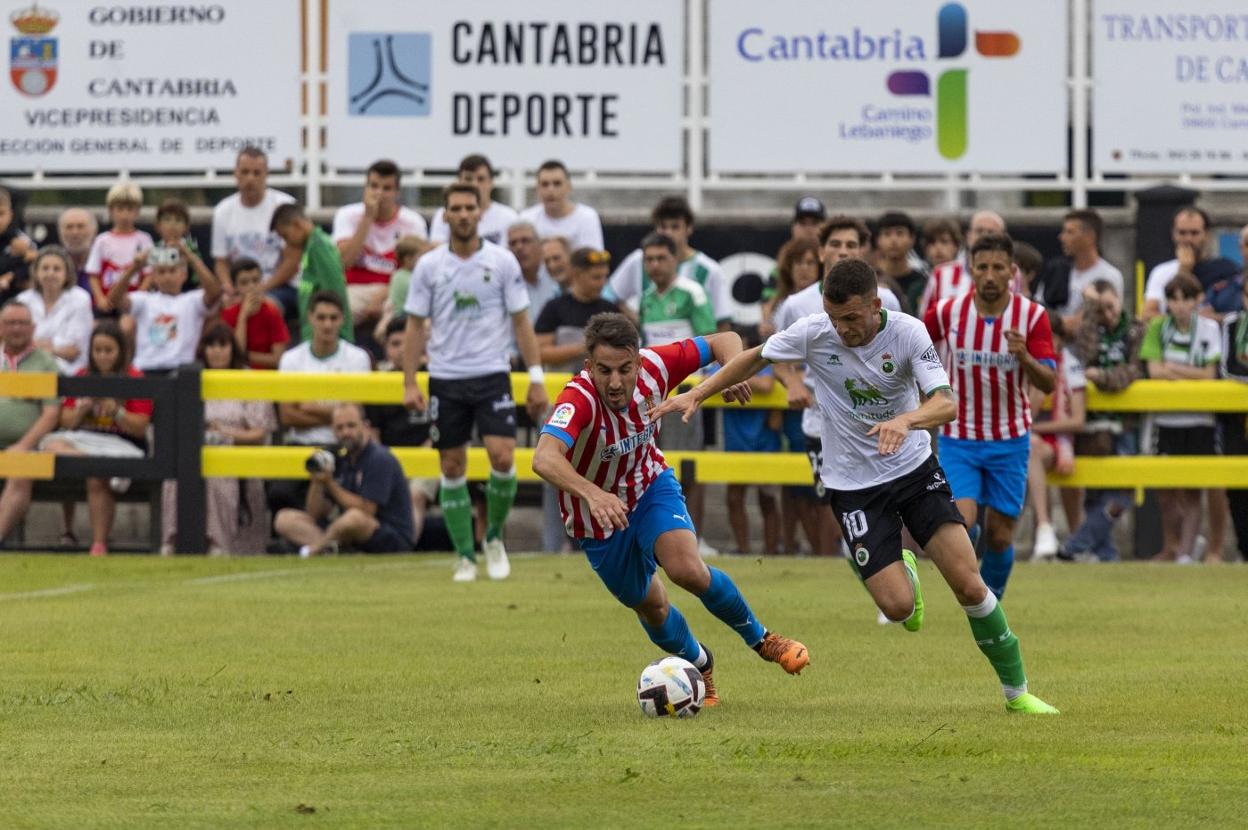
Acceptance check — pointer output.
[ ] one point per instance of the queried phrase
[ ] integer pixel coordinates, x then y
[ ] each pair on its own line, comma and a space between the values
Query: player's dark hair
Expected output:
110, 329
553, 164
897, 219
1185, 286
398, 324
174, 209
215, 335
461, 187
672, 207
1102, 286
1192, 210
387, 169
843, 222
654, 239
242, 264
611, 329
326, 296
286, 214
1090, 219
933, 229
1028, 259
251, 151
473, 163
849, 278
993, 242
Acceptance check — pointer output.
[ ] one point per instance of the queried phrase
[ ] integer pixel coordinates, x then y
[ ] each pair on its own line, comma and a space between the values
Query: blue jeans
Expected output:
1101, 508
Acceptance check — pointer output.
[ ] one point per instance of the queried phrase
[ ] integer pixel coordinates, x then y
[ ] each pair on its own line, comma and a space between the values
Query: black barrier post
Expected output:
688, 473
189, 434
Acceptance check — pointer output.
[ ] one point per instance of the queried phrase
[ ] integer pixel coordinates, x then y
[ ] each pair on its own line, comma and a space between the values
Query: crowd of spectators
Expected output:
277, 292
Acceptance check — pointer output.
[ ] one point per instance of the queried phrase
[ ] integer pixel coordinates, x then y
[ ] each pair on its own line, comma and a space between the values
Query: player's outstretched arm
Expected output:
737, 371
552, 465
939, 408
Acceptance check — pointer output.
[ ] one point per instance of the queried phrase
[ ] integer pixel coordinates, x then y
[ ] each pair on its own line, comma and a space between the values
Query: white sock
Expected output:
983, 609
702, 659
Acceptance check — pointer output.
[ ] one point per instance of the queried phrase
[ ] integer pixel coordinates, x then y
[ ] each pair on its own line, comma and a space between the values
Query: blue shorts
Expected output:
990, 472
625, 561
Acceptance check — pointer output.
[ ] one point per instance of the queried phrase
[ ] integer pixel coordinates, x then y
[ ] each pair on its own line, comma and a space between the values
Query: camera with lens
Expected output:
321, 461
164, 255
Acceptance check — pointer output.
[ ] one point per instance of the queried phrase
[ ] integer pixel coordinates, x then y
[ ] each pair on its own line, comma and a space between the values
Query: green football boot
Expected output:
915, 620
1029, 704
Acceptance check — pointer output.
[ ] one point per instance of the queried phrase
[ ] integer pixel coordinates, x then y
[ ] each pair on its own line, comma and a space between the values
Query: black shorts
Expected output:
814, 451
871, 518
1186, 441
386, 540
455, 405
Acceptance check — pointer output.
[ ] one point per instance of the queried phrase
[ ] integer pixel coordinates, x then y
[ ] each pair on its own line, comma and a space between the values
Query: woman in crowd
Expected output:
237, 520
60, 309
103, 427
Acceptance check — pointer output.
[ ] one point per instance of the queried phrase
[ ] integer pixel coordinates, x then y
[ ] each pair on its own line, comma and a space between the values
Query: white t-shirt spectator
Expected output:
239, 231
347, 358
493, 225
582, 227
111, 252
377, 260
1080, 280
469, 303
67, 323
166, 328
1158, 279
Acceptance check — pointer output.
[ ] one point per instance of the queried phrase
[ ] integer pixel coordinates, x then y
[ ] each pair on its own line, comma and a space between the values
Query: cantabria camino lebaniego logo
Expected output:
952, 27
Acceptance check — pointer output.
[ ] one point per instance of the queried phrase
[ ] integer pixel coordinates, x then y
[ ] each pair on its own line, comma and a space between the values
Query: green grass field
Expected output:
350, 692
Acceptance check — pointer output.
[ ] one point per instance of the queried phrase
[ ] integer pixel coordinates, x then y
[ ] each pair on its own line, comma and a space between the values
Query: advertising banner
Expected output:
595, 85
94, 87
1170, 86
904, 86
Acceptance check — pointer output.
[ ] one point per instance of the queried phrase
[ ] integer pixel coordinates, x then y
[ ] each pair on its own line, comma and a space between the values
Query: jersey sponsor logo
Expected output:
979, 357
627, 445
835, 359
562, 416
937, 482
504, 403
865, 394
466, 303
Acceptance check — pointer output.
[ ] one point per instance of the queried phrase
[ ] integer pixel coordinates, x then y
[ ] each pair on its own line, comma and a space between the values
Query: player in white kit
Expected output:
868, 367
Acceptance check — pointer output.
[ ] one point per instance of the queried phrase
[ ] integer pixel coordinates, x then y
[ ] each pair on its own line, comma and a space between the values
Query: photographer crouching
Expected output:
365, 482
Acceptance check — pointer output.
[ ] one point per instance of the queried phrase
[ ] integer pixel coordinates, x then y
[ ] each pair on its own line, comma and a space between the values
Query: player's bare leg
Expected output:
950, 549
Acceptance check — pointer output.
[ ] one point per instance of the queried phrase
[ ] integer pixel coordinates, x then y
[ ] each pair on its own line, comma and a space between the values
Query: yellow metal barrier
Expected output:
387, 387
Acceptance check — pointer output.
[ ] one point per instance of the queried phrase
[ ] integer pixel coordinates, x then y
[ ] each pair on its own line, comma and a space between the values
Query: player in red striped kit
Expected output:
954, 278
1000, 345
622, 503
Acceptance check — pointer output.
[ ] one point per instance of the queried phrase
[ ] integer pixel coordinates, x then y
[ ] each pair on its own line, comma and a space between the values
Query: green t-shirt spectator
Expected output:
399, 281
680, 312
17, 415
321, 270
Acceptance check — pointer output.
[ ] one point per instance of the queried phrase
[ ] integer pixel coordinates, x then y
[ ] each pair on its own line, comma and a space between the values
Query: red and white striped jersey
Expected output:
112, 252
989, 383
953, 279
618, 450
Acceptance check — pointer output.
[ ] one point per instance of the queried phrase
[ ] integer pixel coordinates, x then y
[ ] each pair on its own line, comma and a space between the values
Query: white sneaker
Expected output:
465, 571
496, 564
1199, 547
883, 619
119, 485
706, 551
1046, 543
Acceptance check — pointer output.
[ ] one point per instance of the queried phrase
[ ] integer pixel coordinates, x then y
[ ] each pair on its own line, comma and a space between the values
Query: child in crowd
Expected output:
941, 240
1182, 345
1053, 443
115, 249
17, 251
320, 267
255, 319
409, 249
173, 224
109, 427
167, 321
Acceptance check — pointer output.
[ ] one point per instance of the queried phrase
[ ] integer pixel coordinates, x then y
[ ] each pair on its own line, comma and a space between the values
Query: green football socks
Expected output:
457, 512
998, 643
500, 495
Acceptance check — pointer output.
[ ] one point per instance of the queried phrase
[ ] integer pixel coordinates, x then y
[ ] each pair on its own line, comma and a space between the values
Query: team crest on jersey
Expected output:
486, 276
562, 416
835, 359
888, 366
862, 393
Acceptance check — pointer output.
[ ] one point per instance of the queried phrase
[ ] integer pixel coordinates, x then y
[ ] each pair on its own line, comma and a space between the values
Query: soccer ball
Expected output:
671, 687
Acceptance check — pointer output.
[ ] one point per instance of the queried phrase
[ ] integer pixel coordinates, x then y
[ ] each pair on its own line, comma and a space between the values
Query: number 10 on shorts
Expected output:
855, 523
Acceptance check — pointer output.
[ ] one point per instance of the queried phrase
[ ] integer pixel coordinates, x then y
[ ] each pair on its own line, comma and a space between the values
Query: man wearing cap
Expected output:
808, 215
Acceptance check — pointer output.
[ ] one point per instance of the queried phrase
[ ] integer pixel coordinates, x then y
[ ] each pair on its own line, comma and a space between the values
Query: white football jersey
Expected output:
858, 387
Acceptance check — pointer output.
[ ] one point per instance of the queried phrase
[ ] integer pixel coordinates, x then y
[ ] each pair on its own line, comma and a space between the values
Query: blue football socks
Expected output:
674, 636
995, 569
724, 601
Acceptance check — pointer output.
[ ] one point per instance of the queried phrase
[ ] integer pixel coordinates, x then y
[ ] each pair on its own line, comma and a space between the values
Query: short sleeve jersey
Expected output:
680, 312
493, 226
166, 327
469, 303
791, 309
992, 390
1200, 346
377, 260
618, 450
111, 252
859, 387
